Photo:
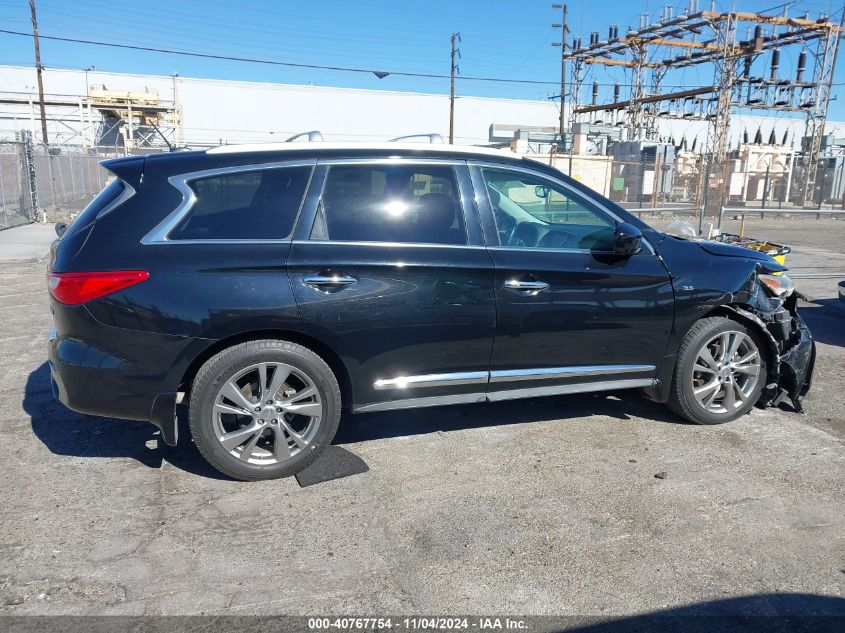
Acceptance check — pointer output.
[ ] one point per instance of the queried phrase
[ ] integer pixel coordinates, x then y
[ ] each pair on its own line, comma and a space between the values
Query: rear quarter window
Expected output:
251, 205
101, 203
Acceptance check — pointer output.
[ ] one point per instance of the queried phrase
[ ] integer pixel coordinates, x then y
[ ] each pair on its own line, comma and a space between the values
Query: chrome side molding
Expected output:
418, 403
581, 387
508, 394
432, 380
508, 375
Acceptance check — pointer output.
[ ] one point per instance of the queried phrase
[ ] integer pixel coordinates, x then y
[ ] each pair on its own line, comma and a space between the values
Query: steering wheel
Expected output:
506, 227
557, 239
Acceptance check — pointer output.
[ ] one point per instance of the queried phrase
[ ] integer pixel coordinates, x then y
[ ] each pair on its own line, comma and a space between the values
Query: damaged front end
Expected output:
773, 307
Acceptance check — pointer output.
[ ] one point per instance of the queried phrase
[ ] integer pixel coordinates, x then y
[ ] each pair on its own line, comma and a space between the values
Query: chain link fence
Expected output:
47, 182
688, 184
18, 189
57, 182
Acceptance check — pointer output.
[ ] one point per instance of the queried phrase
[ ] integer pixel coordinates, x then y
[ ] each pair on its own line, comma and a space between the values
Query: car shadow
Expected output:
65, 432
786, 612
826, 320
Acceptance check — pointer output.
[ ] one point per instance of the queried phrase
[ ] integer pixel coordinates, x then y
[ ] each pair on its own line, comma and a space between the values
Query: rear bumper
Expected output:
112, 372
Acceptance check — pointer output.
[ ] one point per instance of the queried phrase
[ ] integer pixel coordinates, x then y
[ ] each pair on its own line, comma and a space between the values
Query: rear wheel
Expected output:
720, 372
264, 409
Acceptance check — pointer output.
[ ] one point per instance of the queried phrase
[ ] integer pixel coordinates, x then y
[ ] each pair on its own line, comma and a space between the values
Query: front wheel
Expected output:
720, 372
264, 409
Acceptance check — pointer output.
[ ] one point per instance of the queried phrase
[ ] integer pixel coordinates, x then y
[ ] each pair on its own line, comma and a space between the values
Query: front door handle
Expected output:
526, 286
328, 280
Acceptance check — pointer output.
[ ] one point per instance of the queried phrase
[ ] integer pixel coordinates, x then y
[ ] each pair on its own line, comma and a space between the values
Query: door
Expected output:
391, 272
569, 311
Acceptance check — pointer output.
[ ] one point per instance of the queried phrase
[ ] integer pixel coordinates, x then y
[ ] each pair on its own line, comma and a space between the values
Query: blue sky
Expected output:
501, 38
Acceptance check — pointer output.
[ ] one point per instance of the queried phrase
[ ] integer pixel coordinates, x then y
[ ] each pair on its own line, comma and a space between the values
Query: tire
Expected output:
281, 432
701, 383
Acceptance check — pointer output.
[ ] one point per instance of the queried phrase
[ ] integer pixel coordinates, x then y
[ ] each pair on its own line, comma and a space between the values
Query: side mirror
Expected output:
541, 192
627, 240
61, 227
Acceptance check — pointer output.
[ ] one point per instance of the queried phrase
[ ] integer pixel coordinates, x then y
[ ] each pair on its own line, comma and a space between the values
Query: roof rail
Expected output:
313, 135
432, 138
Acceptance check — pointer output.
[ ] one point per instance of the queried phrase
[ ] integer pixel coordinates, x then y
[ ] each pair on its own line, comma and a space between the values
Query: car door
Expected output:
569, 311
389, 269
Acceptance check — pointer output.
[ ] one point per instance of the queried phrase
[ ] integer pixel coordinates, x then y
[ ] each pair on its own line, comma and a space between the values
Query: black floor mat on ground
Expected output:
334, 463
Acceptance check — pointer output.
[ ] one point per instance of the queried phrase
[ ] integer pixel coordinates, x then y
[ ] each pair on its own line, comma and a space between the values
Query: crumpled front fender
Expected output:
797, 364
793, 348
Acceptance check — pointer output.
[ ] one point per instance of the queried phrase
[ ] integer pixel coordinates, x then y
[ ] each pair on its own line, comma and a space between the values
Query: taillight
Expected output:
76, 288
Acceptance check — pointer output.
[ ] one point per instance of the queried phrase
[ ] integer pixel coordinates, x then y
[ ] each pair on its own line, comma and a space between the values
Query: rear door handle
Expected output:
526, 286
328, 280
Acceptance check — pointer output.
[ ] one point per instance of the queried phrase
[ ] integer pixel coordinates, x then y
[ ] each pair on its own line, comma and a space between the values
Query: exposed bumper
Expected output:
796, 354
797, 363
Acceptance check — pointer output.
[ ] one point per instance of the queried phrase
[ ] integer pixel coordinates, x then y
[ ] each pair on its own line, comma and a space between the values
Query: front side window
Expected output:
391, 203
250, 205
532, 212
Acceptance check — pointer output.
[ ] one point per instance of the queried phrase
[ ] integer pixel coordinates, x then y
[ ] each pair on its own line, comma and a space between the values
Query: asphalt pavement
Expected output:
544, 506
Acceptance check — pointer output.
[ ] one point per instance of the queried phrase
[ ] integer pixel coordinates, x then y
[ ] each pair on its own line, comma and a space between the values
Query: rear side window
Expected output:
250, 205
391, 203
101, 203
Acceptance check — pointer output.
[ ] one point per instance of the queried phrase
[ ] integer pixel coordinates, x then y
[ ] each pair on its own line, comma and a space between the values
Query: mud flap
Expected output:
163, 415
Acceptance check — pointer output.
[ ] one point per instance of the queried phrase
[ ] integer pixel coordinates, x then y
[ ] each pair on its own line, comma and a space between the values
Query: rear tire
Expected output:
720, 372
264, 409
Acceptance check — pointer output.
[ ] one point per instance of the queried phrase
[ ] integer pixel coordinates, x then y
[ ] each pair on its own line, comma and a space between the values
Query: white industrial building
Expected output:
209, 111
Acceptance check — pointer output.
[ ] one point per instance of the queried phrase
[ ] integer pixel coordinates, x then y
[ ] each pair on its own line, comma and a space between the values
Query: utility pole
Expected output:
456, 54
564, 29
38, 72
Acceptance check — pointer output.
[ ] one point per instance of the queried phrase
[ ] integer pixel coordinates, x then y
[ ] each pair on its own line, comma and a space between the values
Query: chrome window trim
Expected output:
389, 244
491, 165
128, 192
581, 387
548, 373
393, 160
160, 233
432, 380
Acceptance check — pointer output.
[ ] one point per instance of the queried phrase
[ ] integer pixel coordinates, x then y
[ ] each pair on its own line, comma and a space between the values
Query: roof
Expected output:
424, 148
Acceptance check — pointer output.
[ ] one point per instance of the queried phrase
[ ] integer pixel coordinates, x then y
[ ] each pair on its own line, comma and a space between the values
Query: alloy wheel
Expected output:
726, 372
267, 413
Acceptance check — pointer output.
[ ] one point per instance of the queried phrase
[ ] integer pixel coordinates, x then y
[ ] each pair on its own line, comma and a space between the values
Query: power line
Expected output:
254, 60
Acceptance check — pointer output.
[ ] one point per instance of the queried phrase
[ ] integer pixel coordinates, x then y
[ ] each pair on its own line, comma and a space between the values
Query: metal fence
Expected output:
18, 193
686, 182
53, 181
56, 182
67, 179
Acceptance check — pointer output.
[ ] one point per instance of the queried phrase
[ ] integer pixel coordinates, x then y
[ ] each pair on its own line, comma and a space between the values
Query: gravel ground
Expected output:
541, 506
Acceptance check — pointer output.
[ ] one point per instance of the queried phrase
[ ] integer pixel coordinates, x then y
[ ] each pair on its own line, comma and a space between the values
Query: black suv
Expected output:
270, 287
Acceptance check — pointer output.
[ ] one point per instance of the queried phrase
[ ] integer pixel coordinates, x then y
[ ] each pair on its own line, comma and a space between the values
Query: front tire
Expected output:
264, 409
720, 372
